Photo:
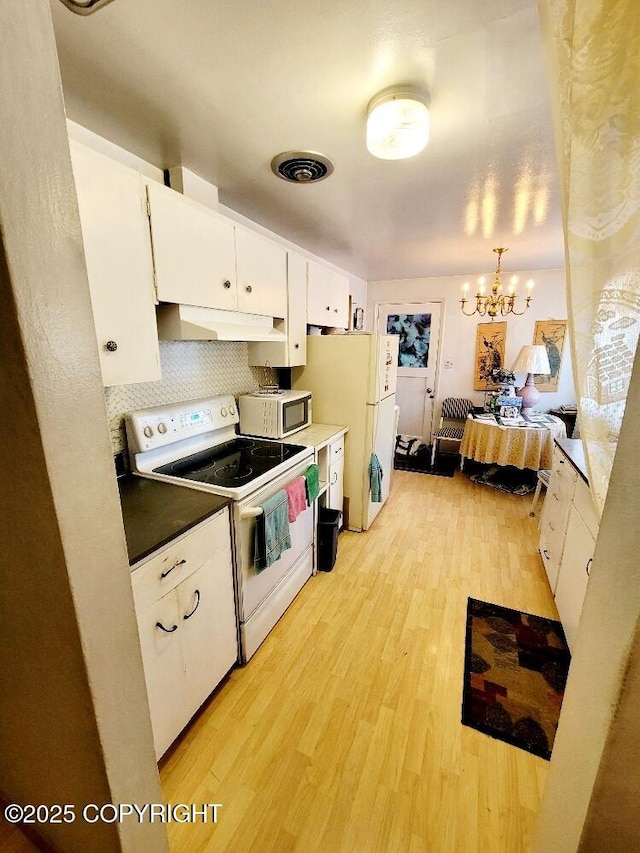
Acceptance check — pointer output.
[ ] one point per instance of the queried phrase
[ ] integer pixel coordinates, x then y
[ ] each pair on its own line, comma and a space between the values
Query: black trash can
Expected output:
328, 526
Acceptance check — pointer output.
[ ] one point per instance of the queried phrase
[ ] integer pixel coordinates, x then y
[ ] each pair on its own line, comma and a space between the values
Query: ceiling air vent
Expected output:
301, 167
85, 7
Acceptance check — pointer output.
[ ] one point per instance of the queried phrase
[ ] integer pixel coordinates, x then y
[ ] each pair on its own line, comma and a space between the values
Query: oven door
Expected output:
263, 597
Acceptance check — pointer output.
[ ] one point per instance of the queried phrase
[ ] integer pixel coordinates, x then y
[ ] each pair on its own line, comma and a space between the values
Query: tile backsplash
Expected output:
190, 370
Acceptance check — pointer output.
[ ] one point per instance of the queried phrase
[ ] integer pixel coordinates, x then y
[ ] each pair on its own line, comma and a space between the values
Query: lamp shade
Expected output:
532, 359
397, 123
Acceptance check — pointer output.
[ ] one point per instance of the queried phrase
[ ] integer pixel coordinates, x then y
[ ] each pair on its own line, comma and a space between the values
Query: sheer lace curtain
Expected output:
593, 54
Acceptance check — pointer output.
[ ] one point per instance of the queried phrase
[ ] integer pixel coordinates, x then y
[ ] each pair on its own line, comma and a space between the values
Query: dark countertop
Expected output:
573, 450
154, 513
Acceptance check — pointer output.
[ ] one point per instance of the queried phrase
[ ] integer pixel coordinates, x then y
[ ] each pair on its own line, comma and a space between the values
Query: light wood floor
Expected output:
343, 732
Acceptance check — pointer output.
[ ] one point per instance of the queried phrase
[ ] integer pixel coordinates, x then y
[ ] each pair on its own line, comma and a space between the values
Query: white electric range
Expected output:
195, 444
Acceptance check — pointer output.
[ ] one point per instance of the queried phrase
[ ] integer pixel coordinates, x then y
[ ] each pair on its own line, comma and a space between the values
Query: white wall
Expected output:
459, 332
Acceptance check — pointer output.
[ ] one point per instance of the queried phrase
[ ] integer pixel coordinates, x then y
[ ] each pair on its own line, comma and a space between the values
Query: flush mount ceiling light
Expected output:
301, 167
398, 123
85, 7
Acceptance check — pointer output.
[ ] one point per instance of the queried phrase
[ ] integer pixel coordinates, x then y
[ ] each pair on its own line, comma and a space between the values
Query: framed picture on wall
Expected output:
491, 339
551, 334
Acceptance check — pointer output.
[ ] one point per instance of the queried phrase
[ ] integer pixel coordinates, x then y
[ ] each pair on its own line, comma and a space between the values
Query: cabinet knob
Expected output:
248, 288
335, 310
111, 346
226, 284
328, 308
296, 346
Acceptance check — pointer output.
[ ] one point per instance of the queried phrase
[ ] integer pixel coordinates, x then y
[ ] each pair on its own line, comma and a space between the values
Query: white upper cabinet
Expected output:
193, 251
293, 351
115, 234
262, 274
327, 297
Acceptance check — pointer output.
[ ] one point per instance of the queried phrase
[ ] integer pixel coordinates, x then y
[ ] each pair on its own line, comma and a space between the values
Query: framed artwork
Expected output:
414, 331
551, 334
490, 347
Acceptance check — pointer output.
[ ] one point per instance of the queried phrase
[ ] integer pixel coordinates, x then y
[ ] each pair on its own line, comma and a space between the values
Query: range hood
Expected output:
190, 323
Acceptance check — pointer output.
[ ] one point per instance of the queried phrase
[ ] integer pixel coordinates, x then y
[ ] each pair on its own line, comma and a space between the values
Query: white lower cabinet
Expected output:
574, 574
555, 514
187, 624
335, 475
568, 532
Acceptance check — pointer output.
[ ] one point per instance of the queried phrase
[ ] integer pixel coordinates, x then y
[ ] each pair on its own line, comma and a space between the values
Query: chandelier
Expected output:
495, 302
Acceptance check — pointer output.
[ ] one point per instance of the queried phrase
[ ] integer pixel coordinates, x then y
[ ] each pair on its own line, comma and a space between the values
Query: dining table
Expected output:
523, 442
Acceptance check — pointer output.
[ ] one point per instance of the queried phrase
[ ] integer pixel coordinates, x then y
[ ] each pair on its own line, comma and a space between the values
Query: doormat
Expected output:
506, 478
515, 671
420, 463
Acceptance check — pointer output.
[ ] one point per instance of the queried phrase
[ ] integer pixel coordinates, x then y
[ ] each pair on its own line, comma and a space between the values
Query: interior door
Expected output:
418, 326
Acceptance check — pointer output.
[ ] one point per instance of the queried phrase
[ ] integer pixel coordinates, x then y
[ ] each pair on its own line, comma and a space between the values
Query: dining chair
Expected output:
452, 419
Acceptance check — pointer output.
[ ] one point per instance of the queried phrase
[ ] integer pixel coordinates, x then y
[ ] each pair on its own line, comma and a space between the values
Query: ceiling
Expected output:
222, 86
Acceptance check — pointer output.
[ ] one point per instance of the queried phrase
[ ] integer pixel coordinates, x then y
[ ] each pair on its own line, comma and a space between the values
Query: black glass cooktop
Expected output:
233, 463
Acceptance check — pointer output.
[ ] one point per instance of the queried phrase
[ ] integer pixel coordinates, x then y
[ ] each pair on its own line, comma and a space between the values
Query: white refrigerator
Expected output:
353, 381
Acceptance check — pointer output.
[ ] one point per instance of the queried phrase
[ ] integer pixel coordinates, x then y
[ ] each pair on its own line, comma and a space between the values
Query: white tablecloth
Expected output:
520, 446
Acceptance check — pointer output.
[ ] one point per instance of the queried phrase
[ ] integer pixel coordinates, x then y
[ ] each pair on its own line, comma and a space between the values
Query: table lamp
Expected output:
531, 360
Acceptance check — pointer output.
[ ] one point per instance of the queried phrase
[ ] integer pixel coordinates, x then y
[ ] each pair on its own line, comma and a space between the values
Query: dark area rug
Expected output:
420, 463
515, 670
506, 478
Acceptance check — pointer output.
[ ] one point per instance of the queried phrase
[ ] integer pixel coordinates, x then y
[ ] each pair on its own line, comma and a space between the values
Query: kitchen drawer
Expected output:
583, 503
164, 571
336, 449
564, 472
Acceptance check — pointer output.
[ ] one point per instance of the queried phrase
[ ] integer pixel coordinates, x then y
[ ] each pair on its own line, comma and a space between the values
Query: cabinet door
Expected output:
319, 289
574, 574
164, 671
327, 297
117, 247
293, 351
555, 515
335, 489
296, 309
262, 274
340, 300
208, 628
193, 251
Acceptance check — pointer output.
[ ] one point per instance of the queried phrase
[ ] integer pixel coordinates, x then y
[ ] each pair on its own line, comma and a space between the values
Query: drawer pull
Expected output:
174, 566
166, 630
334, 479
189, 615
588, 566
551, 526
546, 554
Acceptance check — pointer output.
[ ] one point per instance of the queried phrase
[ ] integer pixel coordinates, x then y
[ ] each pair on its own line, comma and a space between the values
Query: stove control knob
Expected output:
148, 431
162, 428
224, 412
232, 410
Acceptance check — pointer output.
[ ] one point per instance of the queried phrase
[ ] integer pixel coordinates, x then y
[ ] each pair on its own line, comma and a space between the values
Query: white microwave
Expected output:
274, 414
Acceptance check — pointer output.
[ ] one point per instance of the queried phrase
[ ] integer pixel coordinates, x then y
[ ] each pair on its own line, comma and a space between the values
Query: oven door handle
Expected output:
250, 512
